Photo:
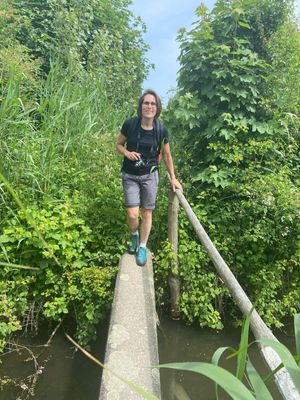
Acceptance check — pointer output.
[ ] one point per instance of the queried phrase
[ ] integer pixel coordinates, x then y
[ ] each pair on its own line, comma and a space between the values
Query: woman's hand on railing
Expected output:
176, 184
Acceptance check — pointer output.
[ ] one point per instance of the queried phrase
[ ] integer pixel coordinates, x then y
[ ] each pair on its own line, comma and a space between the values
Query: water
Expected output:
178, 343
67, 375
72, 376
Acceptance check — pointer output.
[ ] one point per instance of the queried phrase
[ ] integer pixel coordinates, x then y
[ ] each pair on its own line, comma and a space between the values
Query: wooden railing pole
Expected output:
174, 283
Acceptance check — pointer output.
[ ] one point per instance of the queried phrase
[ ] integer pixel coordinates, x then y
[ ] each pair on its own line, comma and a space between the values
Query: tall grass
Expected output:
47, 138
60, 198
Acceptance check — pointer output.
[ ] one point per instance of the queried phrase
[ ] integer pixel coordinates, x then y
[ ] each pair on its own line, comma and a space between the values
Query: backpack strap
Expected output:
158, 130
158, 127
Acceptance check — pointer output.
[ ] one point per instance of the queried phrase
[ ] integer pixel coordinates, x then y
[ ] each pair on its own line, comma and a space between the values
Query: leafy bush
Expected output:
68, 279
68, 80
13, 304
239, 157
60, 157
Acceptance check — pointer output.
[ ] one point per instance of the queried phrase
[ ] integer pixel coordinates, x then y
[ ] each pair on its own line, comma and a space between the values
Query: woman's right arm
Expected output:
120, 146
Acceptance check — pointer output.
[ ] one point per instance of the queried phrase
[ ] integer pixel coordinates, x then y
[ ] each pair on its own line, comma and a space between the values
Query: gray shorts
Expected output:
140, 191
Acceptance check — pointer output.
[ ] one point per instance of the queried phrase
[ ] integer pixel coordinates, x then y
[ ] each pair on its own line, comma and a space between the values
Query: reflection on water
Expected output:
179, 343
67, 375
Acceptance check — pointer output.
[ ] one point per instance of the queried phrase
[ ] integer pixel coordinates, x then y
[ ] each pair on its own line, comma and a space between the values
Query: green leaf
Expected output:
297, 333
215, 360
242, 355
260, 389
244, 25
235, 388
218, 354
287, 359
5, 239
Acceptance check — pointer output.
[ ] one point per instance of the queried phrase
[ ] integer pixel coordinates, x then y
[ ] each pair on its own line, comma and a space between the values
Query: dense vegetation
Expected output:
236, 124
68, 78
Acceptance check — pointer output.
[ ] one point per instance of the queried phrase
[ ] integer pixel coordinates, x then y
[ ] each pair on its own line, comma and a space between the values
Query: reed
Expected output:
47, 138
59, 181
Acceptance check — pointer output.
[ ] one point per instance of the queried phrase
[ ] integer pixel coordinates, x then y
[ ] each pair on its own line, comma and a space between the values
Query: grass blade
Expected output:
234, 387
270, 376
259, 387
286, 358
297, 333
218, 354
243, 348
7, 264
215, 360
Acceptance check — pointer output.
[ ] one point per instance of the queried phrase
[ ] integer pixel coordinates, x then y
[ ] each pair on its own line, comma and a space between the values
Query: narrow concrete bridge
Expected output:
132, 349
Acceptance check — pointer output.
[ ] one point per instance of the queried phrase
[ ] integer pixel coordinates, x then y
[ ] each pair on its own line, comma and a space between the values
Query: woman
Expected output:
144, 136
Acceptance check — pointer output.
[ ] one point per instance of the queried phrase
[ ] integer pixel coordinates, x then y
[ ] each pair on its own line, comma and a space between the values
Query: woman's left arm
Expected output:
170, 167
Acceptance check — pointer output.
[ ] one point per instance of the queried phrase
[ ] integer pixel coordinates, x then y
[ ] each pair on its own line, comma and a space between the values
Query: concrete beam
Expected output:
131, 348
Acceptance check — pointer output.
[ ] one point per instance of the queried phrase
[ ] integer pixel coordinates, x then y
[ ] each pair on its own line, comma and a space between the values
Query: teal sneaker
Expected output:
141, 257
134, 245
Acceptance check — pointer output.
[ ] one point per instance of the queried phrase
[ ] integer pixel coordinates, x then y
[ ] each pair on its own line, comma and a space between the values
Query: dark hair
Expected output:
157, 99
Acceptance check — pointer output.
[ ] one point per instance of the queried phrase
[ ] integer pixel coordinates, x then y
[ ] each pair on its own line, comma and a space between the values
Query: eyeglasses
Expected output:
149, 103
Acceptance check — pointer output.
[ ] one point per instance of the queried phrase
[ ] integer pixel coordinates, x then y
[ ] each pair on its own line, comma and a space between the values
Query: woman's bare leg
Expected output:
146, 225
133, 218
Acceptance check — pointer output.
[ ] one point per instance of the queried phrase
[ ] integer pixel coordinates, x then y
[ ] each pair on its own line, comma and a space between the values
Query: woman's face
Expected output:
149, 106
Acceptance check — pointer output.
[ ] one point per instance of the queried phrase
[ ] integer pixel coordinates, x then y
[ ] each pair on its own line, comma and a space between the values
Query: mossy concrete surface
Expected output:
131, 348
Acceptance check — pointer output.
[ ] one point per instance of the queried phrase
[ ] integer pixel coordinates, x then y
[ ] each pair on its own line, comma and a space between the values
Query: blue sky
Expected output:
163, 19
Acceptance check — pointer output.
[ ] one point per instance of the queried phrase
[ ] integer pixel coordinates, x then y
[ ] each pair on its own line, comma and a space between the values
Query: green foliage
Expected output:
252, 20
119, 64
53, 150
284, 82
65, 234
13, 304
201, 289
53, 154
68, 280
238, 153
57, 132
8, 22
165, 263
199, 286
102, 36
263, 18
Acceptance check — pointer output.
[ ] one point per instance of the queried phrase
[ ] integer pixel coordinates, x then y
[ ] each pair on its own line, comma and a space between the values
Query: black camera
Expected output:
140, 163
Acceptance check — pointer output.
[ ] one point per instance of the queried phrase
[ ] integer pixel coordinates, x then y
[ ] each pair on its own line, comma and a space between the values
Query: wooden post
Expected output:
173, 280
